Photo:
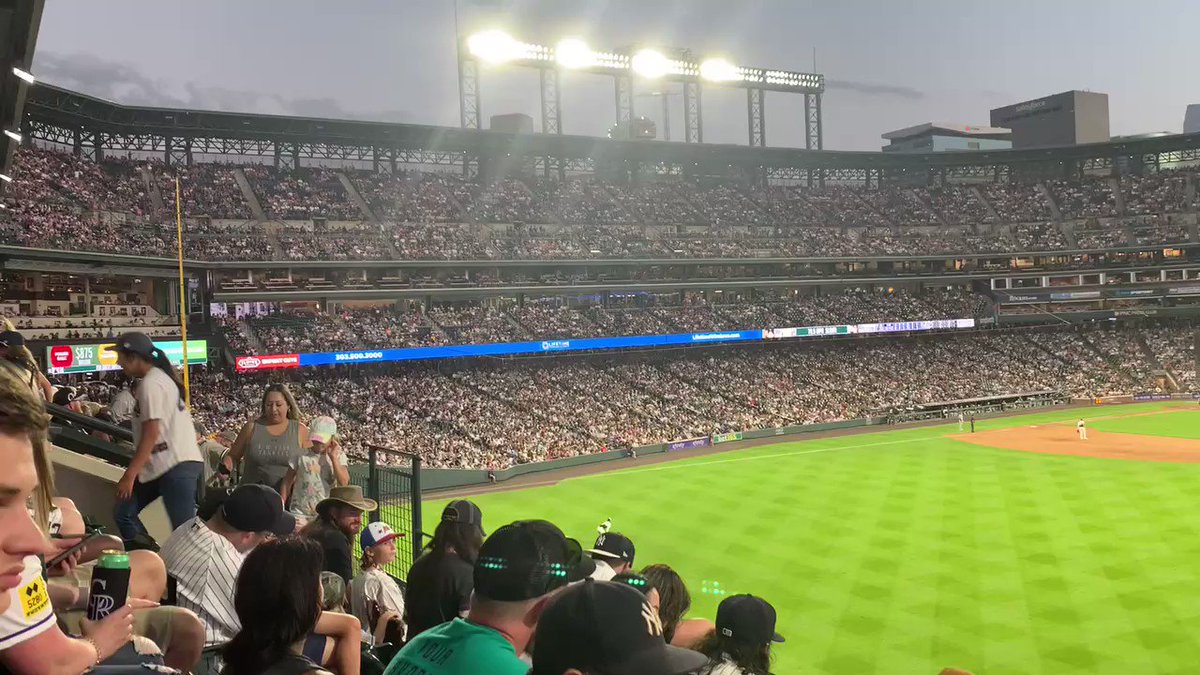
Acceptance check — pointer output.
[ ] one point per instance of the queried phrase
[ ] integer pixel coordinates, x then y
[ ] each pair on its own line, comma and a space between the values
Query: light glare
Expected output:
650, 64
23, 74
574, 53
5, 178
13, 135
493, 46
719, 70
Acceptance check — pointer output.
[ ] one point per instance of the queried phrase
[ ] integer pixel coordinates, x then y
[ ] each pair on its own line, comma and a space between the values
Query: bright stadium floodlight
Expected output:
650, 64
24, 75
13, 135
494, 46
719, 70
574, 53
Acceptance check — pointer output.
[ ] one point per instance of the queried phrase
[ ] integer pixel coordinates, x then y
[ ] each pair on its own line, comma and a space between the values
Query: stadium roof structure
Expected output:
948, 129
94, 127
19, 21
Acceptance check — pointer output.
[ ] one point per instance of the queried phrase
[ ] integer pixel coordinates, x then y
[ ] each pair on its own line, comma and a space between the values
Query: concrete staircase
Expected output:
247, 332
356, 197
986, 204
1054, 210
1115, 184
1068, 233
926, 204
248, 194
151, 186
271, 232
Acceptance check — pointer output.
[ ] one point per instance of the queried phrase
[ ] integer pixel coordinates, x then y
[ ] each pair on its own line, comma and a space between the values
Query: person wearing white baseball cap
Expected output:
313, 472
375, 597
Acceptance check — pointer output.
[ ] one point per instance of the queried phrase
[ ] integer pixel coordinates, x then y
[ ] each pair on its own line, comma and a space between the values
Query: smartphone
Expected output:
67, 553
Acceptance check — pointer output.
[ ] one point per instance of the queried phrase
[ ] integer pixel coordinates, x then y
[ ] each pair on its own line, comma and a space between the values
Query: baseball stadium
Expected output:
505, 399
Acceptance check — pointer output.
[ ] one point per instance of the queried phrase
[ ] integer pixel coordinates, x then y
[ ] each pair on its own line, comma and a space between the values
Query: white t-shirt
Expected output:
29, 612
122, 406
1079, 424
604, 571
374, 585
158, 399
205, 566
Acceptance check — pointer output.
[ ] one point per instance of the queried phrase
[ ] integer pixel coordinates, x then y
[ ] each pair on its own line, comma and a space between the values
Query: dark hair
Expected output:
751, 659
276, 610
673, 597
465, 538
159, 360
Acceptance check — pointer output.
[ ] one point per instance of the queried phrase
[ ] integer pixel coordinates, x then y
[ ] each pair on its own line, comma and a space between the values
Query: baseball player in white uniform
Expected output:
1082, 429
960, 420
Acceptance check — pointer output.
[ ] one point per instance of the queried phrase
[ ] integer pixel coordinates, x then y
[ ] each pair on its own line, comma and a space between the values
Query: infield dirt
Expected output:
1062, 439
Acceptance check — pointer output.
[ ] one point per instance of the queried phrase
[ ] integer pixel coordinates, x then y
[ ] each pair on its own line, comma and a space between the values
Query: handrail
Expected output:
73, 431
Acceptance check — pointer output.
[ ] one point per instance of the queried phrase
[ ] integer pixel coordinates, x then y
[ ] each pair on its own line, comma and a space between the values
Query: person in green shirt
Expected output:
520, 567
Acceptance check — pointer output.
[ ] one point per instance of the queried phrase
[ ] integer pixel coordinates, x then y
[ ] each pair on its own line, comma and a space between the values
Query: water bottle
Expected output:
110, 584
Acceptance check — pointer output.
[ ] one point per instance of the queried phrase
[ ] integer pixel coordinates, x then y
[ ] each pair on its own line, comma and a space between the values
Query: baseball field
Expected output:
1017, 549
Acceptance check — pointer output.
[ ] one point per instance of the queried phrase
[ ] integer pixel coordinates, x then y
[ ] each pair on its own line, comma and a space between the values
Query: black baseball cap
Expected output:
257, 508
528, 559
600, 626
747, 619
136, 343
463, 511
11, 338
613, 546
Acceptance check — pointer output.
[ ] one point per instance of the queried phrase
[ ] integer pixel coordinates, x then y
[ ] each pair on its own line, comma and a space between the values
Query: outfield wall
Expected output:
444, 479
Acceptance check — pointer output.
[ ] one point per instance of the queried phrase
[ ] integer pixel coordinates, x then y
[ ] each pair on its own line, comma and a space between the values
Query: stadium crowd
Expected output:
61, 201
456, 415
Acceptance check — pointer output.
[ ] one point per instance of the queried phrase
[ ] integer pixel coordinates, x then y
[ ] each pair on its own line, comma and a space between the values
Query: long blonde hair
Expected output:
20, 356
293, 412
22, 413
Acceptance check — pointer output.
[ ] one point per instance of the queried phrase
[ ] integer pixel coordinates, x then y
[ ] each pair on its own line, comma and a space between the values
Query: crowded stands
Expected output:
61, 201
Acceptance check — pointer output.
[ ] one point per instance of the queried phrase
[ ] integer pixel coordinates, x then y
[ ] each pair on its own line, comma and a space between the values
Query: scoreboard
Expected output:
91, 358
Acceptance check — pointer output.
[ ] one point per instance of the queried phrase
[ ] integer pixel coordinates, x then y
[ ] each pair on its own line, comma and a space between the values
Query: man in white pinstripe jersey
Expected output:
204, 557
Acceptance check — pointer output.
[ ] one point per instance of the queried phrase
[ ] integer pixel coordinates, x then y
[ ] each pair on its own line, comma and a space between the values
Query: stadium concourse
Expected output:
60, 201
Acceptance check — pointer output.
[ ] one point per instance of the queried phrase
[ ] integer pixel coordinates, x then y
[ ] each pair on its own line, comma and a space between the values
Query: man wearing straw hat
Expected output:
338, 521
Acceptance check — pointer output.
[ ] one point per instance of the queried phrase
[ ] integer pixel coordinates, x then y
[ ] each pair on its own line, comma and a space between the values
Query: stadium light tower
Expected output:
498, 48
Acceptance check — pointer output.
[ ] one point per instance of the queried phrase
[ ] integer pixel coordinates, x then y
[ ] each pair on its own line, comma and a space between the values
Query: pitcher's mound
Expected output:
1063, 440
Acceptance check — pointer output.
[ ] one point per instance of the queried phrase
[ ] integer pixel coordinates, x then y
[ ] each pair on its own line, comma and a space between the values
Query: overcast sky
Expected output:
888, 63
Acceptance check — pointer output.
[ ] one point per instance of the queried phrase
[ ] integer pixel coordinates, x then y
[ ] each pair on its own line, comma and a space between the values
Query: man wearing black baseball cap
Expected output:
204, 557
440, 581
613, 554
520, 567
604, 627
741, 642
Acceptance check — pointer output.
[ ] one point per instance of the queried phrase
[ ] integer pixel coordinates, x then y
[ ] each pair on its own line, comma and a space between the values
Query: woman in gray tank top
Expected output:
266, 446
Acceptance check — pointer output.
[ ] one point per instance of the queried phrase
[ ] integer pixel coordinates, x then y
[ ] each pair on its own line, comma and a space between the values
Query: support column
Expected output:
693, 121
755, 110
623, 83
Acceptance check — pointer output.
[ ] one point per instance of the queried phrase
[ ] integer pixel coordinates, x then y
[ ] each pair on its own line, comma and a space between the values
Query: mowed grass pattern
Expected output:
907, 551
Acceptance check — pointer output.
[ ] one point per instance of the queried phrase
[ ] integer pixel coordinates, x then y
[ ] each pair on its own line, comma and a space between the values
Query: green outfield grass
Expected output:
907, 551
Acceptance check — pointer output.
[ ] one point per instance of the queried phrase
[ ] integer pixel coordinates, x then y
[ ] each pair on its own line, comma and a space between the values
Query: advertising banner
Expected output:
726, 438
913, 326
497, 349
1151, 397
267, 362
90, 358
688, 444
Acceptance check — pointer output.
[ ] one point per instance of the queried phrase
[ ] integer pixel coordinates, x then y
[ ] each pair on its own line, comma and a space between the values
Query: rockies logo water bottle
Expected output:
110, 584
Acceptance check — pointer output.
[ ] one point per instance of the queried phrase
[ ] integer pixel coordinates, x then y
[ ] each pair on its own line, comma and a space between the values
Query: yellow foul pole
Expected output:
183, 315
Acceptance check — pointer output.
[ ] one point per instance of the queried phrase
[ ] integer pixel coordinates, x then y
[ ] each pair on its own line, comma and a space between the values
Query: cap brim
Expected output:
398, 535
777, 638
584, 570
603, 554
318, 438
672, 661
285, 525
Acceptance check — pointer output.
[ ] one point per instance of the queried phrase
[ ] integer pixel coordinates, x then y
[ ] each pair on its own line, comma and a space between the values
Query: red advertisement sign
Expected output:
267, 362
62, 356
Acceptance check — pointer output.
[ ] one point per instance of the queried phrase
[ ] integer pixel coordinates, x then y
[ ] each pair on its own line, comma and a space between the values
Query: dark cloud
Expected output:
875, 89
126, 84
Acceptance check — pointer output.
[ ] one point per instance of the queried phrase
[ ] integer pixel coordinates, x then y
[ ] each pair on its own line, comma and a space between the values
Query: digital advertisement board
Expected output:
91, 358
252, 363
